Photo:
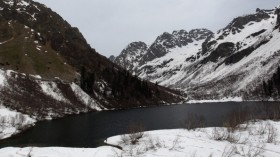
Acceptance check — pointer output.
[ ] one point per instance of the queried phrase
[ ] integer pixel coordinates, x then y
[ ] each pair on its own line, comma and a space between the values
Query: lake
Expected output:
91, 129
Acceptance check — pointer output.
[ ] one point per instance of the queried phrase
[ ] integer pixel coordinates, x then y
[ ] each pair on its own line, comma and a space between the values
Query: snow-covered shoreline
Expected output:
13, 122
226, 99
259, 138
229, 99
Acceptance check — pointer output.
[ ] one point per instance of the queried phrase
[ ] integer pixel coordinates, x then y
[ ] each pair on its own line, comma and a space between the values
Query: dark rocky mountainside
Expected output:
131, 55
34, 41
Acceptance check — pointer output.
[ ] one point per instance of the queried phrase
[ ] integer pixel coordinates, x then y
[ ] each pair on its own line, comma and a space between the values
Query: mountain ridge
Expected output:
160, 47
219, 66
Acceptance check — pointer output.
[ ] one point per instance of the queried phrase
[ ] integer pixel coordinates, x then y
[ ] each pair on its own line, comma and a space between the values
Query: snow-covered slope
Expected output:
233, 62
137, 54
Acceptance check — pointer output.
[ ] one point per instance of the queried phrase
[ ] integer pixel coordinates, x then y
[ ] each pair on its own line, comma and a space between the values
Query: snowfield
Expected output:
253, 139
58, 152
12, 122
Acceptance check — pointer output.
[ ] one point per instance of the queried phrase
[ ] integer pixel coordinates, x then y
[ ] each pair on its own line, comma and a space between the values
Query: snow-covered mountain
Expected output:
232, 62
139, 53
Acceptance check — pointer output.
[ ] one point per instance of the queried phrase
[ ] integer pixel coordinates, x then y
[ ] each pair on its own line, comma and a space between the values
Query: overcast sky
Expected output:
109, 25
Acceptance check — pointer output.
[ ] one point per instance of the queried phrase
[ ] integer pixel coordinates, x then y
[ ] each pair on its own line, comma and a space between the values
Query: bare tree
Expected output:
272, 133
229, 151
251, 151
135, 132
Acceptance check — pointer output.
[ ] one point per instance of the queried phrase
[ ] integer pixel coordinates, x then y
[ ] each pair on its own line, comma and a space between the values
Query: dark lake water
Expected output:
90, 130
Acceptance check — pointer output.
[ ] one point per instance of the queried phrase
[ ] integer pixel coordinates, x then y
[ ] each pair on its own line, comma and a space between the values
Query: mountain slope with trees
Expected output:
49, 70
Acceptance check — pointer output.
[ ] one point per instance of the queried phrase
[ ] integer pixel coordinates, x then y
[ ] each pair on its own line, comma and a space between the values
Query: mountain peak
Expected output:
131, 55
238, 23
200, 34
165, 42
112, 58
180, 32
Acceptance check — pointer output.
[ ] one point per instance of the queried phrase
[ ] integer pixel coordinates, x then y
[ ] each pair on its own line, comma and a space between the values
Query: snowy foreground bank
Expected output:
253, 139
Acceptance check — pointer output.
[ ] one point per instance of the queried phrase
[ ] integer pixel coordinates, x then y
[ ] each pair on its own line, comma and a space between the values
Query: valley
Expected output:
187, 93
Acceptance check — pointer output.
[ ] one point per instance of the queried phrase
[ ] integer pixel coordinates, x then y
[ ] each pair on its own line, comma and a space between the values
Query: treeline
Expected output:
272, 86
125, 85
122, 84
87, 80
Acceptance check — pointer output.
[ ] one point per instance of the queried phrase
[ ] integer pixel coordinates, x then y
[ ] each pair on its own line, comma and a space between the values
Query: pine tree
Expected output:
157, 88
265, 88
270, 87
82, 80
277, 82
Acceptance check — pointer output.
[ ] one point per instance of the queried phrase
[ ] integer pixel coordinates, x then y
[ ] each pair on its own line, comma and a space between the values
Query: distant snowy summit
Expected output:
131, 56
139, 53
234, 62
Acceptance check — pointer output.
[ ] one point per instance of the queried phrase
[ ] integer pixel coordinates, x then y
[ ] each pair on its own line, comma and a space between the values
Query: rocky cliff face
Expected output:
232, 62
131, 55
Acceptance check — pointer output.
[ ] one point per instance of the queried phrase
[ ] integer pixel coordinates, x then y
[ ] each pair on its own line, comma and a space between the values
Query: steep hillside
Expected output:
234, 62
56, 72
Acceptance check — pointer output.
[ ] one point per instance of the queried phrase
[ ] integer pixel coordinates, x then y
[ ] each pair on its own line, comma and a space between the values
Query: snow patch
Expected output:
2, 78
12, 122
50, 88
84, 97
36, 76
23, 3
